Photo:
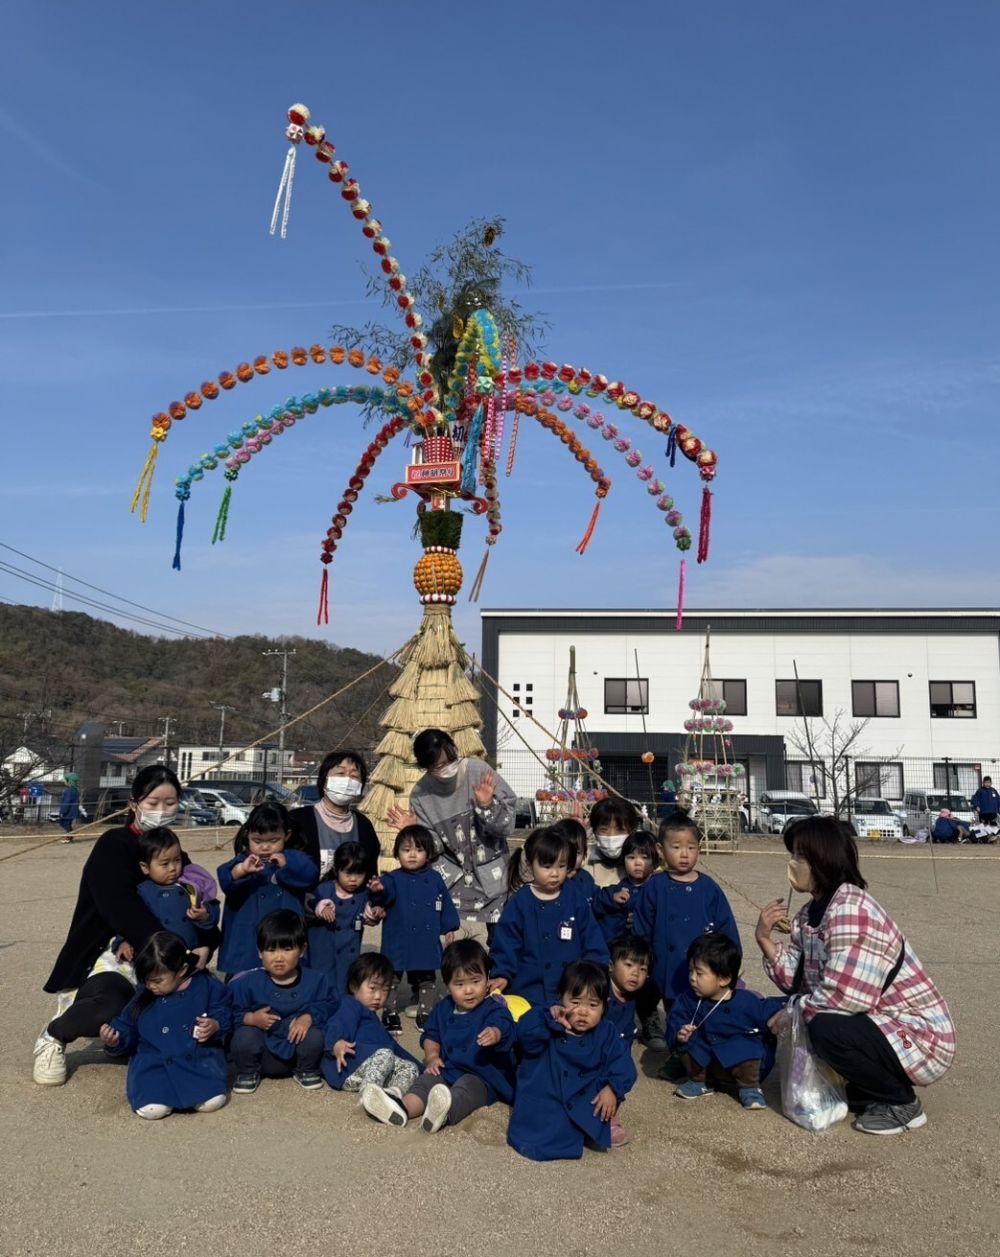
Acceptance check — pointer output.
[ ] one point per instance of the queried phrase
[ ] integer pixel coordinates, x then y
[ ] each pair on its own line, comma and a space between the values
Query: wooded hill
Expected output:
59, 669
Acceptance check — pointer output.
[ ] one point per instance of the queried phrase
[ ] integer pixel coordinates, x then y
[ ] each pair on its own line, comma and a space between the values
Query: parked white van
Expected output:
775, 808
875, 820
230, 809
921, 808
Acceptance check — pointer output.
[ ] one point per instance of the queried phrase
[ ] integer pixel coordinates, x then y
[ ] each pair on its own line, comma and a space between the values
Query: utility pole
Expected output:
166, 739
221, 708
285, 654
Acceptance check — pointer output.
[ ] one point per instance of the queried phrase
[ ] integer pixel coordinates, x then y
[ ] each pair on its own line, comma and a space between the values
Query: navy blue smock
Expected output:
418, 911
312, 992
334, 946
558, 1080
360, 1026
456, 1033
585, 884
670, 915
621, 1013
729, 1031
250, 899
168, 1065
535, 939
169, 904
615, 919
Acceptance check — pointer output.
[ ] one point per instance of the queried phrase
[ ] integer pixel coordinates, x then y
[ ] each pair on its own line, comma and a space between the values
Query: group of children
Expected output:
543, 1021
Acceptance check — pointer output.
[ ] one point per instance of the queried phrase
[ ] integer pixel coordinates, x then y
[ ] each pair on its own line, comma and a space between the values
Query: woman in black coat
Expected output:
91, 988
332, 820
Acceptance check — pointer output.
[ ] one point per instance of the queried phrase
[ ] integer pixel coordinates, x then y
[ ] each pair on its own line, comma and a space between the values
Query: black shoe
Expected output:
672, 1069
246, 1084
422, 1020
651, 1033
310, 1079
392, 1022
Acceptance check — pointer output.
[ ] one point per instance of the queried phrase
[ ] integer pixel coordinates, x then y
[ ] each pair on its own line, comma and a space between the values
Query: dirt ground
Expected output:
292, 1172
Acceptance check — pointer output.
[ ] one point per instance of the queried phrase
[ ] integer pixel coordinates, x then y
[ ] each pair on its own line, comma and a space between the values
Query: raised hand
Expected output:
769, 918
484, 792
685, 1033
249, 865
277, 860
497, 986
400, 819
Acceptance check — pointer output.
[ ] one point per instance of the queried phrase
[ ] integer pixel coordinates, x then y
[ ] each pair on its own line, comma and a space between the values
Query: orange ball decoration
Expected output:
648, 757
438, 573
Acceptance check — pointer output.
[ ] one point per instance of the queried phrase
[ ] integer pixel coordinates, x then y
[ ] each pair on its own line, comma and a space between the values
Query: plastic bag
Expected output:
812, 1094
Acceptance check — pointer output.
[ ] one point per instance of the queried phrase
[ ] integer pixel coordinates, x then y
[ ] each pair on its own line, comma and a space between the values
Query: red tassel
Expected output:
590, 529
680, 596
706, 524
323, 614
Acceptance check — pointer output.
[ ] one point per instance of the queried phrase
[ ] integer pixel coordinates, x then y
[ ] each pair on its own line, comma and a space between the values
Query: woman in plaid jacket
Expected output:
873, 1013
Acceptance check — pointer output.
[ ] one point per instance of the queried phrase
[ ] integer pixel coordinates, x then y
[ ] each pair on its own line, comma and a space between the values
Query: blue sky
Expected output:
777, 221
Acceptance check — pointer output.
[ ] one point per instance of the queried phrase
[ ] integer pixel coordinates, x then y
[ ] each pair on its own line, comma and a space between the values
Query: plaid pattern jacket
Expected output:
847, 958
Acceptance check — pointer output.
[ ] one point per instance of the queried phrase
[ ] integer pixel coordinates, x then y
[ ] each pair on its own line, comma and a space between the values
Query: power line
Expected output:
107, 592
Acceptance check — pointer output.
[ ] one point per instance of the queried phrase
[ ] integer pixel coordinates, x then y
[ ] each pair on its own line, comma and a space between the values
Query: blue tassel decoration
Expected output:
180, 537
472, 451
672, 447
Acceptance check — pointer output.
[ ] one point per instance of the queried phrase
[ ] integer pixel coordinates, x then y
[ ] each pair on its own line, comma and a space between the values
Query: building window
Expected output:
806, 778
787, 695
624, 696
734, 693
878, 781
953, 700
964, 779
875, 698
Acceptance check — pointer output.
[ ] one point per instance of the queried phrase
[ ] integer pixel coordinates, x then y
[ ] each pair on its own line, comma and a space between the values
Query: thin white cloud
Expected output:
43, 152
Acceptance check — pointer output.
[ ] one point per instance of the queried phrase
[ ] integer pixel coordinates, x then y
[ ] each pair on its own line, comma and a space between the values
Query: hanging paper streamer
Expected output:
512, 450
222, 519
142, 490
323, 614
295, 132
706, 524
477, 584
180, 537
585, 541
680, 595
672, 446
471, 451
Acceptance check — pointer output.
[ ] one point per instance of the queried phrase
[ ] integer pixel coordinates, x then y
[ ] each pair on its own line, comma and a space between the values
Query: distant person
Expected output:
668, 801
986, 802
948, 829
69, 804
333, 819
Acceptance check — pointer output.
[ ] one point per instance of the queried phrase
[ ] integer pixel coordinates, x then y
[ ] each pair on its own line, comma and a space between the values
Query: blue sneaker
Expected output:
752, 1098
692, 1090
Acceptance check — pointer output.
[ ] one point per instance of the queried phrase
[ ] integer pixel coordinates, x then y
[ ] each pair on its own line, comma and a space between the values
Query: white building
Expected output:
233, 760
927, 681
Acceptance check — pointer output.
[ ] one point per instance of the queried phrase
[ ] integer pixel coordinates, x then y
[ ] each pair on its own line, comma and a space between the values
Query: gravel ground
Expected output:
294, 1172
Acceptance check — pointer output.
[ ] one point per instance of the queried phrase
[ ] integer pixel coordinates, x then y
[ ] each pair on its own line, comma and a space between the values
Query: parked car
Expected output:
775, 808
921, 808
875, 820
305, 796
227, 807
249, 793
108, 804
525, 814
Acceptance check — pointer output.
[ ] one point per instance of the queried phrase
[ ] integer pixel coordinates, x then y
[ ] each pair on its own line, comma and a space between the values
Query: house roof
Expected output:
128, 750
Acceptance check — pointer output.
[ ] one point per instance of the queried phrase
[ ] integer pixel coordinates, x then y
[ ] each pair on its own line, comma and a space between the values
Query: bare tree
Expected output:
829, 746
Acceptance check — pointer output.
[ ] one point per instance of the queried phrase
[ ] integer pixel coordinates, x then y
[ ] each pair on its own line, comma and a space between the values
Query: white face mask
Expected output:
153, 820
610, 845
342, 790
447, 772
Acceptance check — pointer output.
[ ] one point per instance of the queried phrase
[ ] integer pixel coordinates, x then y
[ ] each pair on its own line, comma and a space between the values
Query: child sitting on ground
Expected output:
720, 1029
419, 910
629, 971
342, 912
575, 1071
359, 1049
545, 924
280, 1010
172, 1032
673, 908
467, 1046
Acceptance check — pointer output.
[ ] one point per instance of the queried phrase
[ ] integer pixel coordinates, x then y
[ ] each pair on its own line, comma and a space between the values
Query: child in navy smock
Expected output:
581, 878
613, 904
172, 1032
359, 1049
418, 911
720, 1029
181, 897
545, 924
264, 875
675, 907
467, 1042
341, 910
280, 1010
629, 971
575, 1071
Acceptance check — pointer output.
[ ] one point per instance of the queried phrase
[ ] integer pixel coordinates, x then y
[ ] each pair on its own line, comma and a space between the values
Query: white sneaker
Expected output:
437, 1110
50, 1061
382, 1106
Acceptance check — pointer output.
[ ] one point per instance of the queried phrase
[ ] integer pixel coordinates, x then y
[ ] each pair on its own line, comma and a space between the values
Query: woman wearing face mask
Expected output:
873, 1013
470, 811
333, 820
91, 984
612, 820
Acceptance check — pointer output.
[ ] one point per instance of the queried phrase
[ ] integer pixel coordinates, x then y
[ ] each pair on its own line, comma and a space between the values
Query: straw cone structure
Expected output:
431, 692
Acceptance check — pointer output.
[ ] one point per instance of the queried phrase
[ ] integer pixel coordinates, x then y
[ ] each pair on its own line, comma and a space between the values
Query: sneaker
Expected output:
891, 1119
383, 1107
651, 1033
692, 1090
310, 1079
411, 1010
437, 1110
422, 1020
619, 1135
49, 1069
752, 1098
391, 1021
246, 1084
672, 1069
